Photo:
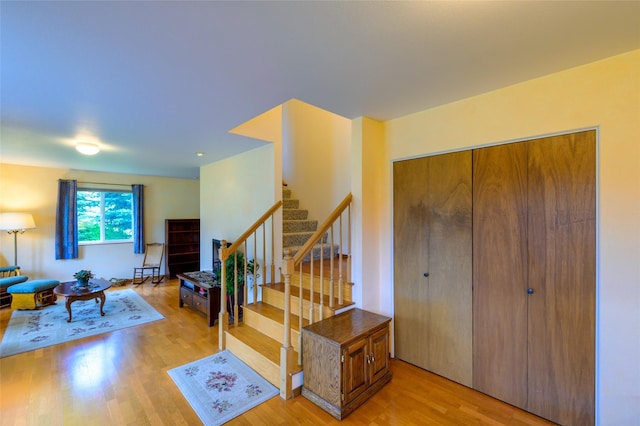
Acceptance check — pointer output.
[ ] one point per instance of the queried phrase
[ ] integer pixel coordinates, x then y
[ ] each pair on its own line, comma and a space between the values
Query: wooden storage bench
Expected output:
5, 283
33, 294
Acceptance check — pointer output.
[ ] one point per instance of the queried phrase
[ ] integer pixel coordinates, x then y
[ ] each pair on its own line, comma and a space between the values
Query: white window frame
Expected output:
102, 220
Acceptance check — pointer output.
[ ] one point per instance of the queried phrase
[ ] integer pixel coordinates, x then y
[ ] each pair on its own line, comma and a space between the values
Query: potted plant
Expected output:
83, 276
252, 268
239, 260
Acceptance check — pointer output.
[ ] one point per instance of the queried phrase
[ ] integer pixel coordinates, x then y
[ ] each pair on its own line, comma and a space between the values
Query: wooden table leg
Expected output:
102, 300
68, 305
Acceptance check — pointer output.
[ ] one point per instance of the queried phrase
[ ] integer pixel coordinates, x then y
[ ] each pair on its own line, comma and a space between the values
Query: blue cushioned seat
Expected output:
32, 286
9, 281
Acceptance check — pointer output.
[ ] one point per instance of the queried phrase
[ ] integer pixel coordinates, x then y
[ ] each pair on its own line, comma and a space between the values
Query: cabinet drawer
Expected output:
200, 303
186, 296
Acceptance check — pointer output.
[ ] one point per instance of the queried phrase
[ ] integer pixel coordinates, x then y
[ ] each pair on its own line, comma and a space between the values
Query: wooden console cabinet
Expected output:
200, 296
346, 360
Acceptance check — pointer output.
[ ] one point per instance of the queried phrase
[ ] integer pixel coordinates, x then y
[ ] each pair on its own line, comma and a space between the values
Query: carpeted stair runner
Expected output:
297, 228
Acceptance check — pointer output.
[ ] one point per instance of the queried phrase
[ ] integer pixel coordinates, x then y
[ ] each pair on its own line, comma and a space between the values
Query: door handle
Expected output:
426, 274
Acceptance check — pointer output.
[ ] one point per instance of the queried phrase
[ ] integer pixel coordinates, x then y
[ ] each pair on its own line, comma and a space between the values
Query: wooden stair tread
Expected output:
305, 295
275, 314
261, 343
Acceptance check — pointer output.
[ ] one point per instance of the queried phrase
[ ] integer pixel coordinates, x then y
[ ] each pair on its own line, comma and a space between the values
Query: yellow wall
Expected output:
234, 193
316, 157
368, 159
604, 95
34, 190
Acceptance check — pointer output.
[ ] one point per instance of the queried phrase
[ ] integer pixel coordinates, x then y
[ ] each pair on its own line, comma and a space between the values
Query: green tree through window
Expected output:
104, 216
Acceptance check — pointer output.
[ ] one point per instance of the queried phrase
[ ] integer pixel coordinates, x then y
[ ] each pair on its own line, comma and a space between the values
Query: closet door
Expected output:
500, 272
534, 275
432, 264
562, 252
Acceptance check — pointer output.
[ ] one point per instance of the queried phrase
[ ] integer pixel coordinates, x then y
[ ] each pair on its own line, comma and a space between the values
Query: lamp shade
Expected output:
16, 221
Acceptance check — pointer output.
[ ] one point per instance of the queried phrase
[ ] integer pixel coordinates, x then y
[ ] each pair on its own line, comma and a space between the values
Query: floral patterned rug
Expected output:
29, 330
221, 387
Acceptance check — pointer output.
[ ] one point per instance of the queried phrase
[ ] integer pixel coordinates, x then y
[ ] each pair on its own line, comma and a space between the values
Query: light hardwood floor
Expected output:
120, 378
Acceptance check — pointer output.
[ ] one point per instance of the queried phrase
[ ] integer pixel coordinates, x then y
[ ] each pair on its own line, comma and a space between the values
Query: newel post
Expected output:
223, 317
287, 354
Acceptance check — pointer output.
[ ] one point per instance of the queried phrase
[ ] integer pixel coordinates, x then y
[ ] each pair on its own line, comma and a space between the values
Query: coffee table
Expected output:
72, 292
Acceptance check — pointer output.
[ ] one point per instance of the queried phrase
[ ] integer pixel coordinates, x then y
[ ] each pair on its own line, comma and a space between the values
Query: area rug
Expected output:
29, 330
221, 387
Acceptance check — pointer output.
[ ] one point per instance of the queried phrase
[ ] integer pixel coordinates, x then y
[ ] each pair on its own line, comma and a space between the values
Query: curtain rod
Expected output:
104, 183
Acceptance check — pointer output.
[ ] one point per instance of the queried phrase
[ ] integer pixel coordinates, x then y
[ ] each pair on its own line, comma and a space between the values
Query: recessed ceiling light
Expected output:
87, 148
199, 154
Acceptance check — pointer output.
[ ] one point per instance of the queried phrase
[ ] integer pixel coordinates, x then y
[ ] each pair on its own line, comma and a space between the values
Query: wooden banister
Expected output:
225, 254
226, 251
322, 229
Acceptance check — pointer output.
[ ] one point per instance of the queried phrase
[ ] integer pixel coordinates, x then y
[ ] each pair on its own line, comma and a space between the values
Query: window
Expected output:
104, 216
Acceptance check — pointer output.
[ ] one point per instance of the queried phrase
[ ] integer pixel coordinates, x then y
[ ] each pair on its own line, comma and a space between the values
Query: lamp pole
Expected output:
14, 223
15, 244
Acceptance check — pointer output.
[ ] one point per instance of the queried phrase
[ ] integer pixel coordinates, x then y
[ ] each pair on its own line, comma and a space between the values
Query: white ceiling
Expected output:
156, 82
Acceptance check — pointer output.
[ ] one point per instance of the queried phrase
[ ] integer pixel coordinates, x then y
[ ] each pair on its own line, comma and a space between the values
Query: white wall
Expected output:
34, 190
234, 193
606, 95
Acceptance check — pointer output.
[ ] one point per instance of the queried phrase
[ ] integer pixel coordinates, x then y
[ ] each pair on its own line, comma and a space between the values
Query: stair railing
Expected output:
332, 225
257, 235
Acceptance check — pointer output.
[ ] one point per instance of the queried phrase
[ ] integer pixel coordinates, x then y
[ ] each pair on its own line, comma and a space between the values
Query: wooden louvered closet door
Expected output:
432, 235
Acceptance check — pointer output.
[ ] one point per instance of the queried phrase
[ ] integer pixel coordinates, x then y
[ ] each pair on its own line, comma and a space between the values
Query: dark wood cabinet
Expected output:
200, 296
346, 360
182, 238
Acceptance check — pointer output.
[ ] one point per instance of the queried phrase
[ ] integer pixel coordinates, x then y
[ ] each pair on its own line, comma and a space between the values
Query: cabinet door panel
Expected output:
355, 367
562, 244
379, 362
432, 235
500, 272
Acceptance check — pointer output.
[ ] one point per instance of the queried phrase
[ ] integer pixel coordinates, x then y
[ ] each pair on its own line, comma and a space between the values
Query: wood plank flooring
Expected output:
120, 378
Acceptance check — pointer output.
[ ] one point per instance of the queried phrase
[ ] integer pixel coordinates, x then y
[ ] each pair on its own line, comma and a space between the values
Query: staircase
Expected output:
297, 229
259, 338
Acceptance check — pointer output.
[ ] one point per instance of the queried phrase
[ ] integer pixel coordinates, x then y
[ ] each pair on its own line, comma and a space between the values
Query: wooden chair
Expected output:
150, 265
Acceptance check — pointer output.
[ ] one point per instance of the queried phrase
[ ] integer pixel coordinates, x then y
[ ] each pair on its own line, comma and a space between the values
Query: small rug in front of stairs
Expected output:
35, 329
221, 387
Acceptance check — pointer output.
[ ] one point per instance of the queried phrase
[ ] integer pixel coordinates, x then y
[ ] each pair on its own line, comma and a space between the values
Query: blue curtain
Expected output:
138, 218
67, 220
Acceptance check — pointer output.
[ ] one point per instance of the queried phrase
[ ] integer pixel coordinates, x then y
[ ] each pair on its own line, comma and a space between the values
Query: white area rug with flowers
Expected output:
221, 387
34, 329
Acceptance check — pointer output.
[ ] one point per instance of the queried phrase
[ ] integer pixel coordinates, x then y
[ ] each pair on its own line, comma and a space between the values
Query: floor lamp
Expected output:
14, 223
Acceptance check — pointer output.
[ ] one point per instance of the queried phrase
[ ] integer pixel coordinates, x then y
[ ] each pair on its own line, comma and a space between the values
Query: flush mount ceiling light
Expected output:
199, 154
87, 148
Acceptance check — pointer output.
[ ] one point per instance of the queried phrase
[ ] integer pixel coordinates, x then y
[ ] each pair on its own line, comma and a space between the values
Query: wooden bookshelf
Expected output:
182, 238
